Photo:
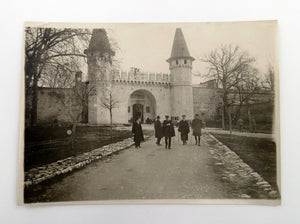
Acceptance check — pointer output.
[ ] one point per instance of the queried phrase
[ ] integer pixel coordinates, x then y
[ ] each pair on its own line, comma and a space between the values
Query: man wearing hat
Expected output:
184, 129
196, 126
158, 130
137, 132
168, 131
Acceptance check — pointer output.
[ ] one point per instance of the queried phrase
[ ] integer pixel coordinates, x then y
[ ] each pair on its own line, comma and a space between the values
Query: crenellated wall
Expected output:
131, 77
54, 104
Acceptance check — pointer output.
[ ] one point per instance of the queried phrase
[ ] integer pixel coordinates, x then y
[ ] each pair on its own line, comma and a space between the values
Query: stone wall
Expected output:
205, 101
55, 105
262, 110
207, 104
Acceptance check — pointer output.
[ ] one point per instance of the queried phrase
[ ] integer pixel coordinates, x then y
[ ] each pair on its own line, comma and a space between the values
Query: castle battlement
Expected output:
141, 77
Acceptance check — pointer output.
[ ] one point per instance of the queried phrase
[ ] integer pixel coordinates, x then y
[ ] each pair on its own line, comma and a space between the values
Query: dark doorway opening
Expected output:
138, 110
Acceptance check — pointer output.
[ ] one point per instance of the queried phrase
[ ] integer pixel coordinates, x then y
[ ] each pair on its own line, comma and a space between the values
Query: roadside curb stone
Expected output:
235, 167
39, 174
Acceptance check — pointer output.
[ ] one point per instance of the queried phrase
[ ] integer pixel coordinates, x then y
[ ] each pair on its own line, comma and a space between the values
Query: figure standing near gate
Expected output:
158, 130
184, 129
240, 122
168, 132
197, 126
137, 132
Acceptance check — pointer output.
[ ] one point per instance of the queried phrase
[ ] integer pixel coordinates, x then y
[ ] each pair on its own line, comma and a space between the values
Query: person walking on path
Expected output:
184, 129
240, 122
137, 132
168, 132
158, 130
197, 126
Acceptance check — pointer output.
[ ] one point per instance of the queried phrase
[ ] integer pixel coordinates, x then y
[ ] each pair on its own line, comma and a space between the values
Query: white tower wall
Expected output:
181, 78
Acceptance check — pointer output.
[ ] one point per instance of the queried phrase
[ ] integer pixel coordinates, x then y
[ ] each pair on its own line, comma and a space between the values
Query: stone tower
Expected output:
180, 64
99, 59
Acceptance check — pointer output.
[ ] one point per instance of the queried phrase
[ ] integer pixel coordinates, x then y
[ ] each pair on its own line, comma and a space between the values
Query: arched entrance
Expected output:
141, 103
137, 111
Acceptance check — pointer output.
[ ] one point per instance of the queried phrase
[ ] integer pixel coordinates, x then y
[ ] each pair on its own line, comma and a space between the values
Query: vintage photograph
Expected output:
150, 113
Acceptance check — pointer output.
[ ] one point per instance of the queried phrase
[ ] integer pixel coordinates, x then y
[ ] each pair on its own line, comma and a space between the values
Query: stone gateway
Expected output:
147, 94
136, 93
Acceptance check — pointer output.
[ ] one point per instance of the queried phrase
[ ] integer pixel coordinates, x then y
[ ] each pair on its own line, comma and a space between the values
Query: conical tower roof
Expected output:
179, 49
100, 42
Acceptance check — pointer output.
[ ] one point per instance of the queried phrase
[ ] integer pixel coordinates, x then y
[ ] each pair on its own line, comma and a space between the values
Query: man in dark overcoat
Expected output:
168, 131
197, 126
137, 132
158, 130
184, 129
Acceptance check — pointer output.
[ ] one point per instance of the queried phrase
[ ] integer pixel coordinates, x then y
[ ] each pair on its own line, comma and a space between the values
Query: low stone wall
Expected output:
48, 171
236, 172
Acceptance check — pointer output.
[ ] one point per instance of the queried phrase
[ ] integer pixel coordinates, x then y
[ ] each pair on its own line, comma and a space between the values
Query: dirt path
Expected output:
152, 172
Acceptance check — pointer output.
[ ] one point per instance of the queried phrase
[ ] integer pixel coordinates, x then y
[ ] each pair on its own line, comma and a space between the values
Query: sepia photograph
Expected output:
150, 113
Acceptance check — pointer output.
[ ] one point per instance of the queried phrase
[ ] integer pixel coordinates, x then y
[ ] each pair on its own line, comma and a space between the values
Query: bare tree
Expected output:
45, 47
227, 65
60, 73
110, 102
76, 106
247, 89
270, 78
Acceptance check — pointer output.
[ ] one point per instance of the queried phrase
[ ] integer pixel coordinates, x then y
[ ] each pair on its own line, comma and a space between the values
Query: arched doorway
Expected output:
137, 111
141, 103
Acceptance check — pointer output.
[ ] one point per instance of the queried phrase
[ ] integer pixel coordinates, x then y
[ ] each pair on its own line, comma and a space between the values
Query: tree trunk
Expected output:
239, 110
111, 131
250, 119
223, 113
34, 102
223, 117
230, 121
73, 134
84, 113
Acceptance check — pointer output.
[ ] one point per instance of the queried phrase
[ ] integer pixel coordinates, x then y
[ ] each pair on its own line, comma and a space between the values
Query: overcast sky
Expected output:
147, 46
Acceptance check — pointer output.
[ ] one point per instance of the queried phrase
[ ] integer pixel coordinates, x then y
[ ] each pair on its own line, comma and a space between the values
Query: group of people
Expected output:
184, 129
166, 130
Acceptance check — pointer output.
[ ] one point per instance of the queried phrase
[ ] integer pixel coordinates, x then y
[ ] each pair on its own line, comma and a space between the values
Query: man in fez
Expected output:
196, 126
137, 132
168, 131
158, 130
184, 129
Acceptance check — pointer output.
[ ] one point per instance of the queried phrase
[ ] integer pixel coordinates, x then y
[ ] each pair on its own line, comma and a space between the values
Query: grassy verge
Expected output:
44, 145
258, 153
